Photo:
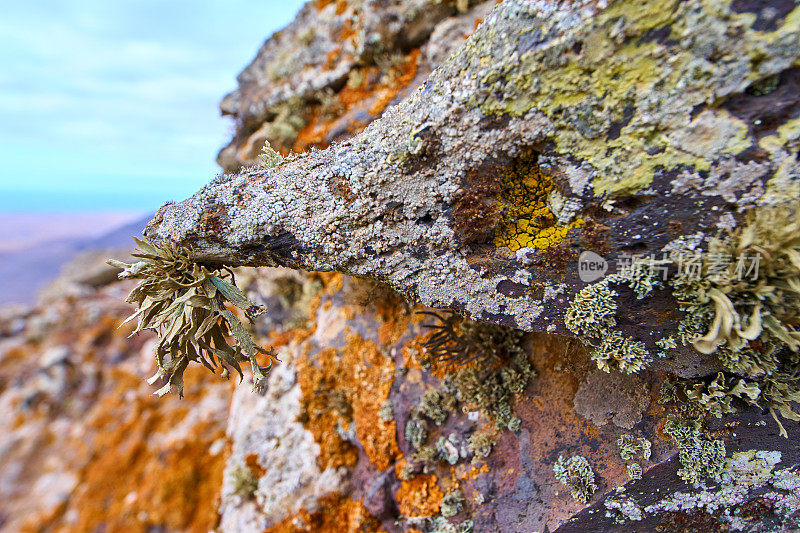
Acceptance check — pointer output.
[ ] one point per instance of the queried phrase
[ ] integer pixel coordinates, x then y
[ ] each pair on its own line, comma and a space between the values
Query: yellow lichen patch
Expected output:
336, 514
419, 497
601, 96
351, 386
527, 220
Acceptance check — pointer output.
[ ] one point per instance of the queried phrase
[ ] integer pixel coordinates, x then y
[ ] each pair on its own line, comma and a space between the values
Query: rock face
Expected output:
619, 128
469, 172
554, 128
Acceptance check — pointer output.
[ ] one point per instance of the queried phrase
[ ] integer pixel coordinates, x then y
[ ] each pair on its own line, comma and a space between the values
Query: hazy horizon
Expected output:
113, 106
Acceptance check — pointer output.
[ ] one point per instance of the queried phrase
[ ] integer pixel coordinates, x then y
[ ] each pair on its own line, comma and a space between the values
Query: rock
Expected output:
418, 199
614, 397
555, 128
468, 173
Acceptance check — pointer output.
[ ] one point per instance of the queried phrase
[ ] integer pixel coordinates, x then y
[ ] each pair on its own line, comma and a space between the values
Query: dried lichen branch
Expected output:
184, 303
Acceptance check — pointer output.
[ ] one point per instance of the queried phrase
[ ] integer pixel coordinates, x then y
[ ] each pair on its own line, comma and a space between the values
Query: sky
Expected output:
113, 106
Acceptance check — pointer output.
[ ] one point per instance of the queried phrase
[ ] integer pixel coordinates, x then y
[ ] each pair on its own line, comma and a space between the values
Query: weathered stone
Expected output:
621, 110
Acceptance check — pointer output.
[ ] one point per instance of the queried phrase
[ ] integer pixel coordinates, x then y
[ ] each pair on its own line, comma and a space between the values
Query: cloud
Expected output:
94, 92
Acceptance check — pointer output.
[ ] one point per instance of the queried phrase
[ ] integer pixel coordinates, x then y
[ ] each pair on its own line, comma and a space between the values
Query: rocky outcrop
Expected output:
555, 128
630, 130
469, 173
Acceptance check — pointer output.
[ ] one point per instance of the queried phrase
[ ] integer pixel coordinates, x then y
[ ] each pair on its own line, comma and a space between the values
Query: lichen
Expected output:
592, 311
641, 274
244, 482
184, 303
527, 220
492, 393
269, 158
622, 101
452, 503
287, 121
416, 433
745, 309
451, 448
699, 457
634, 471
419, 497
386, 413
740, 301
440, 524
437, 406
630, 447
344, 391
334, 513
576, 474
621, 353
480, 445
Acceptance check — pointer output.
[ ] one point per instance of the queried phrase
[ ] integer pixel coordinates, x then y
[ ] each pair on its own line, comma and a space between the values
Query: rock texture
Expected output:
556, 127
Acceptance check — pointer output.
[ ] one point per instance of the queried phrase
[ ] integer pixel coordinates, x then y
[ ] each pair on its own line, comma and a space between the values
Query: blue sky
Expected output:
113, 105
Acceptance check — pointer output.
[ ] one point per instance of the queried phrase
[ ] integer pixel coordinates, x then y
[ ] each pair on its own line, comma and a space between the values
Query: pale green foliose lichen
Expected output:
452, 503
576, 474
634, 471
621, 353
592, 311
699, 457
630, 447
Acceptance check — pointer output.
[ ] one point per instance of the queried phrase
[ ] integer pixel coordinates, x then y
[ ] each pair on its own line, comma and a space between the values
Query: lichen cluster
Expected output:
452, 503
576, 474
592, 312
527, 220
699, 457
622, 353
184, 302
728, 305
269, 158
630, 447
746, 310
492, 394
634, 471
592, 316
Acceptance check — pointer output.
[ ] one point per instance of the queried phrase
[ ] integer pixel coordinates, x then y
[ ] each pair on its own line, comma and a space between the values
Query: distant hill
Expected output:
25, 270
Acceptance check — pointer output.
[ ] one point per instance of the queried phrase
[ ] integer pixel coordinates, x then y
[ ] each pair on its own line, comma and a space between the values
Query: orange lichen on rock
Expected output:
413, 351
394, 321
386, 93
251, 462
378, 94
137, 478
321, 4
373, 374
419, 497
351, 386
336, 514
324, 405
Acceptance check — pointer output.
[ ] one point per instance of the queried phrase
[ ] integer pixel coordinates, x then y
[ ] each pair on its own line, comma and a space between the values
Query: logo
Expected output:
591, 266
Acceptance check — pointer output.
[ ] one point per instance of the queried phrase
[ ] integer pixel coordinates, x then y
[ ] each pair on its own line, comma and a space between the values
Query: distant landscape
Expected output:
34, 246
